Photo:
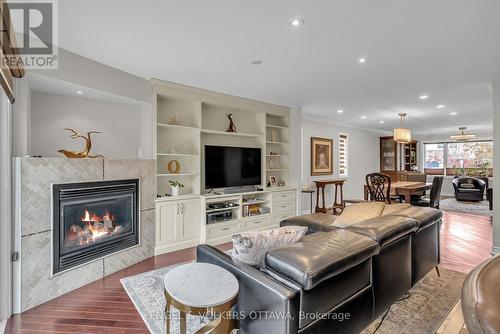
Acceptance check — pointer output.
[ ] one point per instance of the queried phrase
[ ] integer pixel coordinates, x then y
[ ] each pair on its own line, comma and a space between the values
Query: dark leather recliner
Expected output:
481, 298
358, 270
469, 189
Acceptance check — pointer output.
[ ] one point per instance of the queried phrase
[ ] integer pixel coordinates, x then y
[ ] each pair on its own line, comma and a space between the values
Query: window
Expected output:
343, 155
467, 158
470, 157
434, 158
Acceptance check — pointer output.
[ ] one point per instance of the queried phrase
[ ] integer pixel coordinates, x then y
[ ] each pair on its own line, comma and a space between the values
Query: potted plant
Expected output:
175, 187
484, 171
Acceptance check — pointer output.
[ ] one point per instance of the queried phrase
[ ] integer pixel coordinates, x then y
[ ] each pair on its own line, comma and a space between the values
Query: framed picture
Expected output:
321, 156
272, 181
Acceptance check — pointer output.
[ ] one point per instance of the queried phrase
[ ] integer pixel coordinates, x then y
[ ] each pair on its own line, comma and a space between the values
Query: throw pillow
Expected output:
358, 212
467, 186
393, 208
250, 247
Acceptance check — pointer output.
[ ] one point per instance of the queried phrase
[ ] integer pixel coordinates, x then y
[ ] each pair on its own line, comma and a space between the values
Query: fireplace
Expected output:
92, 220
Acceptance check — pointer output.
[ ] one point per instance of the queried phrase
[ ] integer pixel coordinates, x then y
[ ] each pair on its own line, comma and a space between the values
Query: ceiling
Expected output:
448, 49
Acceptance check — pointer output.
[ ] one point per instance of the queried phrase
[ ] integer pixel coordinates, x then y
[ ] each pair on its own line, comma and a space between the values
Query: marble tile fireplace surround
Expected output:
108, 222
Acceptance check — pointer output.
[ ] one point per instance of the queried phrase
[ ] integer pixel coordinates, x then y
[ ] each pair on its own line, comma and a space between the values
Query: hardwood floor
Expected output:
466, 241
104, 307
99, 307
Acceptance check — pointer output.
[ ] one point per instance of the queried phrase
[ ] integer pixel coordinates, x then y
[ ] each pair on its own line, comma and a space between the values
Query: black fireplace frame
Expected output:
66, 191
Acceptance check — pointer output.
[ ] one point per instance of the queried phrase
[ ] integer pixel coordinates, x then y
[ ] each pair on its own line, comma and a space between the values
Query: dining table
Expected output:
404, 188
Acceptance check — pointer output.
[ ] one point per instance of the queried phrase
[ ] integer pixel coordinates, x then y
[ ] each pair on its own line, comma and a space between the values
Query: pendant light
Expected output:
402, 135
462, 136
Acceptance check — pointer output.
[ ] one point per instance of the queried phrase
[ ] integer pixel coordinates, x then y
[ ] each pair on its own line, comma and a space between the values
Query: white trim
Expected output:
5, 208
16, 266
3, 324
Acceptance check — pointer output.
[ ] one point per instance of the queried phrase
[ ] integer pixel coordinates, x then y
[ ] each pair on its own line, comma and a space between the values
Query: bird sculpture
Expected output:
87, 148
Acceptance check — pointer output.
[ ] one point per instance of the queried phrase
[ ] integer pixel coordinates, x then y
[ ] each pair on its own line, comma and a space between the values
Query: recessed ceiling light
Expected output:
453, 113
257, 62
363, 117
381, 122
424, 97
440, 106
340, 111
296, 22
362, 60
79, 92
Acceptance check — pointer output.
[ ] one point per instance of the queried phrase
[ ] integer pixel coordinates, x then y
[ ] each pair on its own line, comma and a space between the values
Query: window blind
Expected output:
343, 155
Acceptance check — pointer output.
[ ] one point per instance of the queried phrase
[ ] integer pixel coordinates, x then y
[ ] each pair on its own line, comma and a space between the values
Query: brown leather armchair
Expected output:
481, 298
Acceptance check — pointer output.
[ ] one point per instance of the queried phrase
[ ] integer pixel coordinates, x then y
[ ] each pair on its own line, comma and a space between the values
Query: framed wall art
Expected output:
321, 156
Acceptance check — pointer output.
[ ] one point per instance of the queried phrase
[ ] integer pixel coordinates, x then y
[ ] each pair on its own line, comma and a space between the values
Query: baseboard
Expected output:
496, 250
175, 247
3, 324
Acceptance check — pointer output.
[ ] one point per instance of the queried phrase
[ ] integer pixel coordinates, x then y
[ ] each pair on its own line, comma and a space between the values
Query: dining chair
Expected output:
417, 177
433, 201
379, 187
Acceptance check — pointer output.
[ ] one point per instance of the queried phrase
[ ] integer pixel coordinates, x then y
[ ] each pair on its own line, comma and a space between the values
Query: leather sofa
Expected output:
338, 278
481, 298
469, 189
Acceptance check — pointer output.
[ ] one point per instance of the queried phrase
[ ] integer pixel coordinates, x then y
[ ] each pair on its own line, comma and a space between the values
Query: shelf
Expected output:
276, 169
277, 142
277, 126
176, 198
178, 154
173, 126
254, 202
235, 134
222, 209
180, 174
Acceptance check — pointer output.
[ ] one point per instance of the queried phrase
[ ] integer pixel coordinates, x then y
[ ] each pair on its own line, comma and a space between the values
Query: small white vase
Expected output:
175, 191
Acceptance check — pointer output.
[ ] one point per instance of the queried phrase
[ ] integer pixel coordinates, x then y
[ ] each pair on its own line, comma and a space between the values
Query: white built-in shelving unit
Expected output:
185, 120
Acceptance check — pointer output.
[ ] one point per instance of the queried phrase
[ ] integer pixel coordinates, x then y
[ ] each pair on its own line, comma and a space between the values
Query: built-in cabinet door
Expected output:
190, 219
168, 229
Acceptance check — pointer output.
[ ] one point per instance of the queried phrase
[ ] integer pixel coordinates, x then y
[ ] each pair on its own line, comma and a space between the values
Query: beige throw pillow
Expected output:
250, 247
396, 207
358, 212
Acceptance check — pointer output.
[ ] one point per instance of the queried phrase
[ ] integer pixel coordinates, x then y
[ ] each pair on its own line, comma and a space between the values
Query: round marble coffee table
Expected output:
201, 289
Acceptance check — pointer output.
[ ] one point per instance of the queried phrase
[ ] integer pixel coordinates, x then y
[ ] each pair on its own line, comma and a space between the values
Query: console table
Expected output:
338, 206
201, 289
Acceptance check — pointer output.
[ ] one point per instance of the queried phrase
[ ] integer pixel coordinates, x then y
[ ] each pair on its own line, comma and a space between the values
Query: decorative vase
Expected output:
275, 136
175, 191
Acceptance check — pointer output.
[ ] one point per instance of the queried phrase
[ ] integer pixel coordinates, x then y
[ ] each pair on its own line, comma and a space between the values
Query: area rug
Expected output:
423, 312
475, 208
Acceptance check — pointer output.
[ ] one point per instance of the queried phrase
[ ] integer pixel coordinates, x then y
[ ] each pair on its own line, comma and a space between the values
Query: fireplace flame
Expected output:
97, 225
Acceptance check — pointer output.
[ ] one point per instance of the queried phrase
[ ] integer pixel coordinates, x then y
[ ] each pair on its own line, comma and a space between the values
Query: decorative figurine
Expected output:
173, 121
173, 167
87, 148
232, 127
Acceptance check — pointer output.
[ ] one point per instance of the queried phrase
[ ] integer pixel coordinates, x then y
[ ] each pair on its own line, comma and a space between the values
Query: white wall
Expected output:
120, 124
496, 167
364, 148
21, 118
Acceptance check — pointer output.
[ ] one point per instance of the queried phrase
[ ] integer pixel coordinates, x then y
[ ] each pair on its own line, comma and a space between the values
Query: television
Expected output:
232, 166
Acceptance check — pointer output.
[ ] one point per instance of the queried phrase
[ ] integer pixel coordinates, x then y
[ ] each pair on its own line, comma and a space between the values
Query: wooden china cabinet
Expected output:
395, 158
